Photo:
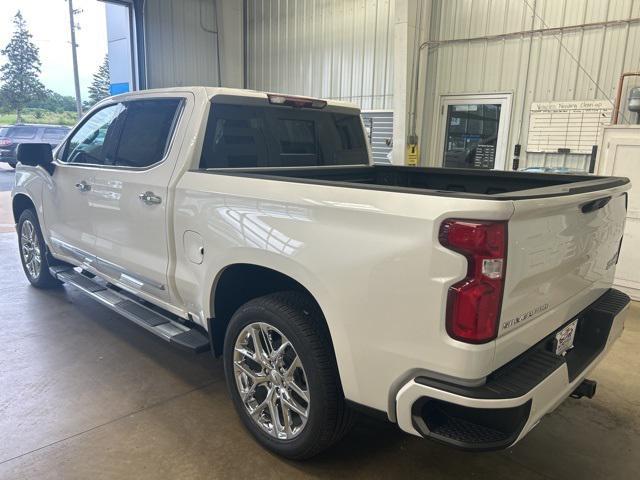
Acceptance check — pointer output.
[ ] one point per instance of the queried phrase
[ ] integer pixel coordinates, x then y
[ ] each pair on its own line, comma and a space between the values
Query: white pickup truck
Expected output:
462, 305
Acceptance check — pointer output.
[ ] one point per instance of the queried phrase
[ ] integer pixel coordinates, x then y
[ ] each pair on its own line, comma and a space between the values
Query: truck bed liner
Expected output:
468, 183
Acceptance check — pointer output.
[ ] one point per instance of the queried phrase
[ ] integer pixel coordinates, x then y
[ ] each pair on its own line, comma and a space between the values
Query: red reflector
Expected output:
473, 304
298, 102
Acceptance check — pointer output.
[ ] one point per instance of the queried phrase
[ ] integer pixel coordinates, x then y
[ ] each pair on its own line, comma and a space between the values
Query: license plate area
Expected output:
564, 338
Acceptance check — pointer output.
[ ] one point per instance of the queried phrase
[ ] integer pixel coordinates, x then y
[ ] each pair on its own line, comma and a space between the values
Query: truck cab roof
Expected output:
211, 92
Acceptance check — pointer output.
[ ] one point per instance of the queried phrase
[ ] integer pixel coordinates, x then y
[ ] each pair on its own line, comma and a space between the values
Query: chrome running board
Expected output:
160, 325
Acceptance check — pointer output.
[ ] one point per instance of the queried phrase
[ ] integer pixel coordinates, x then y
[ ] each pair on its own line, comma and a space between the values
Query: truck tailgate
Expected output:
562, 253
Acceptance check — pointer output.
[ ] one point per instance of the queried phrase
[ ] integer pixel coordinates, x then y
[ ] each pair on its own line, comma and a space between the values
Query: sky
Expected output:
48, 22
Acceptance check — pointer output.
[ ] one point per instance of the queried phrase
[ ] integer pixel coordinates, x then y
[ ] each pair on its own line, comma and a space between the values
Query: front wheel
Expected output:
282, 375
33, 251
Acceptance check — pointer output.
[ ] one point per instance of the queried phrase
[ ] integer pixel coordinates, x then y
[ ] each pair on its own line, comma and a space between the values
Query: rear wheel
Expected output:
33, 251
282, 376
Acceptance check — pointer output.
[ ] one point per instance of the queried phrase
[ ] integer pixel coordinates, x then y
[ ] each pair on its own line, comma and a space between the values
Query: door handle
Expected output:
150, 198
595, 205
83, 186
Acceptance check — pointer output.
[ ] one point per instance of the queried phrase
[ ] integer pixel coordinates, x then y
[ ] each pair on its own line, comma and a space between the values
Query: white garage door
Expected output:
379, 126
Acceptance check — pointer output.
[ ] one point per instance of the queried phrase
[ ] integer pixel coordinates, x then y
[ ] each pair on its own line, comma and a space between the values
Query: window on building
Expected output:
472, 133
476, 130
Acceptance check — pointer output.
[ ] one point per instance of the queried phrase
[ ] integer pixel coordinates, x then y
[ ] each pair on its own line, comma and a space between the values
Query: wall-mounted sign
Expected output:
572, 126
485, 156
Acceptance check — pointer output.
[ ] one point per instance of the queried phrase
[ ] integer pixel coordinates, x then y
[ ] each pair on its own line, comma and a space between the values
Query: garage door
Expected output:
379, 125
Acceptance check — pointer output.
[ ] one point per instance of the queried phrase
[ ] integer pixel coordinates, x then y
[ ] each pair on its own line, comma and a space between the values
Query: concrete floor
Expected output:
6, 177
85, 394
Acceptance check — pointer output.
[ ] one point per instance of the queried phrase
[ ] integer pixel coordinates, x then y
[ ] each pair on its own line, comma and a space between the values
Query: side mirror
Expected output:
34, 154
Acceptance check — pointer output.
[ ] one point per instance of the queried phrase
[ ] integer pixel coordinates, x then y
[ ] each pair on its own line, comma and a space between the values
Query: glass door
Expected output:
475, 131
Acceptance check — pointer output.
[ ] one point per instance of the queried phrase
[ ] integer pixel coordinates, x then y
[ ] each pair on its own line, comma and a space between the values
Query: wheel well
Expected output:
21, 203
238, 284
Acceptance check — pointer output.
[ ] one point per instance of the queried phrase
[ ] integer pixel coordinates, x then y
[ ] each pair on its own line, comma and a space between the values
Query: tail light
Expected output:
473, 304
4, 142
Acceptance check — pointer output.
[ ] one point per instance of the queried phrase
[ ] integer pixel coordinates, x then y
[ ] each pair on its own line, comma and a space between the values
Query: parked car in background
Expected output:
4, 130
12, 136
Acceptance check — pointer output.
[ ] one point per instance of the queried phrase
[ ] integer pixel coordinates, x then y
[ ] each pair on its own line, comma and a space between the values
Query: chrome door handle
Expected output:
150, 198
83, 186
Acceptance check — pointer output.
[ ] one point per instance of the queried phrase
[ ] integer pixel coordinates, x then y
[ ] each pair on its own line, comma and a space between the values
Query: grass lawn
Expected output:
64, 118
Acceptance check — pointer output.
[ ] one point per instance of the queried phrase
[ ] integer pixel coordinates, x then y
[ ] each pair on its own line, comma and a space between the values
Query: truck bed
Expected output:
497, 185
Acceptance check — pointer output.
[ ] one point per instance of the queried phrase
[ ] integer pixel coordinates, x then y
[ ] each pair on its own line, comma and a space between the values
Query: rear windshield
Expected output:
54, 133
23, 132
4, 131
241, 136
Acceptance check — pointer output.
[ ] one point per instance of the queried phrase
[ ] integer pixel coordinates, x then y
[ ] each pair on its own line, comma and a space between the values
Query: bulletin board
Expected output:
569, 127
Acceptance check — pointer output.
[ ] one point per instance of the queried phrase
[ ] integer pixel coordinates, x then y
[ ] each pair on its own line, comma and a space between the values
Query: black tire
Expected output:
299, 319
38, 275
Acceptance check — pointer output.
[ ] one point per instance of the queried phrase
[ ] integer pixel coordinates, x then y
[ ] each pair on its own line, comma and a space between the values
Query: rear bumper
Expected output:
514, 398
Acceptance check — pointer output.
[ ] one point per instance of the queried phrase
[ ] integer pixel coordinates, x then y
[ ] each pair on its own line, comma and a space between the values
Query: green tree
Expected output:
101, 83
54, 102
19, 76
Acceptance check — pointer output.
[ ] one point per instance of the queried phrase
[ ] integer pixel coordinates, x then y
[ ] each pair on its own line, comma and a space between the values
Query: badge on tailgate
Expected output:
564, 338
525, 316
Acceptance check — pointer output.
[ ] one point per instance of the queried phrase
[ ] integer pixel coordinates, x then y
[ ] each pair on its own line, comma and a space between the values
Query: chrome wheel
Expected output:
30, 249
271, 381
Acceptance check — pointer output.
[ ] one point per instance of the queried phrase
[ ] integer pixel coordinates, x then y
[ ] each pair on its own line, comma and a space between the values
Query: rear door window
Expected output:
146, 132
242, 136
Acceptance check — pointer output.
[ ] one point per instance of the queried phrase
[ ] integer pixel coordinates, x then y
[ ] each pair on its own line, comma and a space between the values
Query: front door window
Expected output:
93, 143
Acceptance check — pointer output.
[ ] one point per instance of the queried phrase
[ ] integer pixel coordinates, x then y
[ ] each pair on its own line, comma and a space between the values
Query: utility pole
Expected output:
76, 79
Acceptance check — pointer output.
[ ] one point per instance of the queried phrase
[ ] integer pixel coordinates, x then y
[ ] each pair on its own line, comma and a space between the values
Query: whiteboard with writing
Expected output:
572, 126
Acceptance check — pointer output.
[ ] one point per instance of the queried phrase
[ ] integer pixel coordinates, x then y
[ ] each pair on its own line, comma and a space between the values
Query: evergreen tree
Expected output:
100, 85
19, 76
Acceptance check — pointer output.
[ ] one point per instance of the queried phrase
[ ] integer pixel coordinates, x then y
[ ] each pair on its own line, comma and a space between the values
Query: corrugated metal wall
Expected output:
534, 68
342, 49
337, 49
180, 43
